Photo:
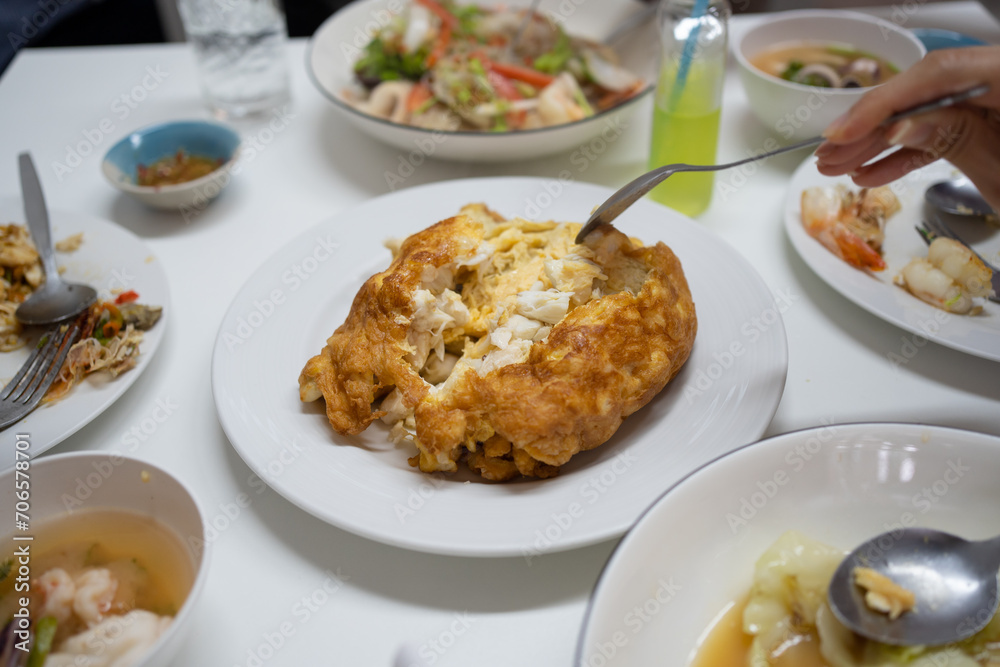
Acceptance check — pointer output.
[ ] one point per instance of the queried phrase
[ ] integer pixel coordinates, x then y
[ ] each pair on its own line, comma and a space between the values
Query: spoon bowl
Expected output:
55, 300
954, 582
958, 196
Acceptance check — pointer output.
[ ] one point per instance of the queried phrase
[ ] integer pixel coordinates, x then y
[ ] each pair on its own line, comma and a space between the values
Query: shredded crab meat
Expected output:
432, 314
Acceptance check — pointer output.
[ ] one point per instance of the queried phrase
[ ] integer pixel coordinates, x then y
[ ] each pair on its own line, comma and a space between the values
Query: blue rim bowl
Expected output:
149, 144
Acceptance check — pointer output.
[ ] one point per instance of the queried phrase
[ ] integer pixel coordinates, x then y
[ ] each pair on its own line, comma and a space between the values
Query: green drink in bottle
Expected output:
688, 98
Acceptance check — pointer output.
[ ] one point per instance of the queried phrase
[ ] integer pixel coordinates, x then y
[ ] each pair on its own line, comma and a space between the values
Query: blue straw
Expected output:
699, 9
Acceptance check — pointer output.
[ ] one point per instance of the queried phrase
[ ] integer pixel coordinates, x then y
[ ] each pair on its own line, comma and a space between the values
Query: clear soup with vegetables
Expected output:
824, 64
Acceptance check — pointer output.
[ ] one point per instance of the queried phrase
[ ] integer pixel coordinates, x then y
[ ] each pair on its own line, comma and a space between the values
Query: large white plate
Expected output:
110, 258
338, 43
978, 335
724, 396
693, 553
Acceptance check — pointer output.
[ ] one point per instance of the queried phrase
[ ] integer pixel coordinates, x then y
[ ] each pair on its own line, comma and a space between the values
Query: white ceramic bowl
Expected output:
65, 483
796, 111
694, 550
155, 142
337, 44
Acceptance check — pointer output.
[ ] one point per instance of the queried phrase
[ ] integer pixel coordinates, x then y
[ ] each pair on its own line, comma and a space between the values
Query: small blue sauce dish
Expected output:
163, 151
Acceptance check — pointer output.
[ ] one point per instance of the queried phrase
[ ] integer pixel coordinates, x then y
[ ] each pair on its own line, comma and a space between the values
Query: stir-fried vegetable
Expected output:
383, 62
454, 66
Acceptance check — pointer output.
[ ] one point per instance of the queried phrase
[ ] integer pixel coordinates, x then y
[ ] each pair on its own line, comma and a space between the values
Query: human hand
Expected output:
967, 135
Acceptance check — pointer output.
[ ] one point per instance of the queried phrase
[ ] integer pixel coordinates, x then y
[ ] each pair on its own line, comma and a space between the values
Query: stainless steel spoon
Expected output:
55, 300
953, 580
633, 191
958, 196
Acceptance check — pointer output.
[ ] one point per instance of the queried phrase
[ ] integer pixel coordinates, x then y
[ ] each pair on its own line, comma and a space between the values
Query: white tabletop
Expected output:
265, 601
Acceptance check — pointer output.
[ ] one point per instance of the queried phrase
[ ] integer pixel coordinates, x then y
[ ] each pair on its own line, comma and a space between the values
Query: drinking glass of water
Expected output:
240, 50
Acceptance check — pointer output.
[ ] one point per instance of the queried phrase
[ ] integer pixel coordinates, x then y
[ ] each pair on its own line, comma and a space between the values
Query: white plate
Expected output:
338, 43
110, 258
978, 335
693, 552
724, 396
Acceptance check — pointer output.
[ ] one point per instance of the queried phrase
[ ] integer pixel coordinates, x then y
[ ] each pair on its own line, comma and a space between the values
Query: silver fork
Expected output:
630, 193
22, 394
934, 226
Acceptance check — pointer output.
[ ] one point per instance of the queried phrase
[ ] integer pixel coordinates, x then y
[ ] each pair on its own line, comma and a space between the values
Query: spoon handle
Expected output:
37, 215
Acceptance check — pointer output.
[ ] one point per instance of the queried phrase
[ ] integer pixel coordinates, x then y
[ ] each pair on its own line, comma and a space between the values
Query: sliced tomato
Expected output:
508, 91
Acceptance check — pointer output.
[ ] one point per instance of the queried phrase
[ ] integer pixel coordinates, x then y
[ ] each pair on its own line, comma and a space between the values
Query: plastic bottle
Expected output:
688, 98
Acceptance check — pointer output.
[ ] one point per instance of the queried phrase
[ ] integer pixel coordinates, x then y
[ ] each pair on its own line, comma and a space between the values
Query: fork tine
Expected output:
39, 371
64, 348
36, 375
42, 370
927, 235
938, 228
28, 369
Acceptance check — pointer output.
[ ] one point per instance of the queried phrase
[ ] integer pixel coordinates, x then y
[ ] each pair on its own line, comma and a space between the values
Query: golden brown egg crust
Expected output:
604, 360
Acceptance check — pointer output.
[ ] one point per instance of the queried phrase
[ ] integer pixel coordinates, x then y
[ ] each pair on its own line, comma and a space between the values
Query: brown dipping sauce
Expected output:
177, 168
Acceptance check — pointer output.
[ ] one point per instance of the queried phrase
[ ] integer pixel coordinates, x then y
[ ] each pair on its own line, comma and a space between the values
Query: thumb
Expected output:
968, 137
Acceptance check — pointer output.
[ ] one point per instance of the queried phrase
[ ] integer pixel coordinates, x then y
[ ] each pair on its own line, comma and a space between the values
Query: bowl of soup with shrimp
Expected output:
105, 564
731, 565
802, 69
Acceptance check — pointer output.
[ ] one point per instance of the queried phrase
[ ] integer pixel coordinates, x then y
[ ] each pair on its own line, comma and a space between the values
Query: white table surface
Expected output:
273, 557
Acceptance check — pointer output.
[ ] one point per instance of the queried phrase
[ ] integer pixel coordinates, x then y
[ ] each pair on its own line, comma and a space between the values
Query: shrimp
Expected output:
560, 101
95, 591
850, 225
949, 278
58, 590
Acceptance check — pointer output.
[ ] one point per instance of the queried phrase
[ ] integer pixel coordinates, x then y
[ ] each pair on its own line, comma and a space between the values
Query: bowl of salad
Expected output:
480, 82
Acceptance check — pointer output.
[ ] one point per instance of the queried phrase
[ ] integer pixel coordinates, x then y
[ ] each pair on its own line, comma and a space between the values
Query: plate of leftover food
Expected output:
483, 82
444, 369
122, 331
772, 522
864, 244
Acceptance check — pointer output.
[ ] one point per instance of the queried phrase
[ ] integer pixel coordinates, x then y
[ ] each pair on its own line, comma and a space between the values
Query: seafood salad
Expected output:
441, 65
111, 330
